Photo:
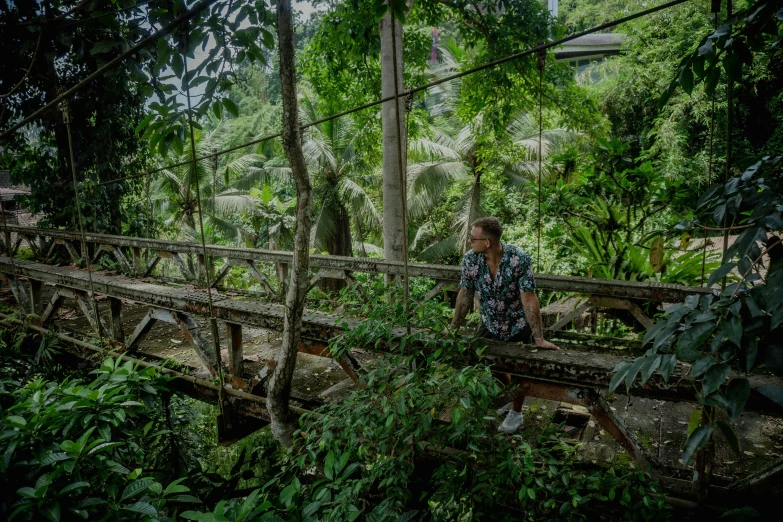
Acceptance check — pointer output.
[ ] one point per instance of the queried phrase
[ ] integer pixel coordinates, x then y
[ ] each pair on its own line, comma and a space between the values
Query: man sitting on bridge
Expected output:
503, 277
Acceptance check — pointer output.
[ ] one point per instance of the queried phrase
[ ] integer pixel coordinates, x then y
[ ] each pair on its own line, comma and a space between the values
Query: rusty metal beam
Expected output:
598, 408
623, 289
567, 366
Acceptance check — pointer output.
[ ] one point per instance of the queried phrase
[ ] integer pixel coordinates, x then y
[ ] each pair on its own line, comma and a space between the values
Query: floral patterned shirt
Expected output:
499, 300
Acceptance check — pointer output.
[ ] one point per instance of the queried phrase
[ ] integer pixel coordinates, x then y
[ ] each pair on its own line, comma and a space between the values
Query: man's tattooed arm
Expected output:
464, 302
533, 316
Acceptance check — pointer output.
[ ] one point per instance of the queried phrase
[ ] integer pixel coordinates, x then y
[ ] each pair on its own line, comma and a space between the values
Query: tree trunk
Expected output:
340, 246
393, 230
283, 425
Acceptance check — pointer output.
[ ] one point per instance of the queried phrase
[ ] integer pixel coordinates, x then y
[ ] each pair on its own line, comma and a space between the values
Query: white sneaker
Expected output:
512, 422
503, 409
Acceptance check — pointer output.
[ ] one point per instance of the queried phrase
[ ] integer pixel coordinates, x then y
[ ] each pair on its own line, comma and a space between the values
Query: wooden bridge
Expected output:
133, 303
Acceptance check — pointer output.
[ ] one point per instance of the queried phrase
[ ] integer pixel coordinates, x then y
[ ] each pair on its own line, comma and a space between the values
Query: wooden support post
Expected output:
84, 304
223, 272
36, 296
201, 265
182, 266
257, 275
55, 303
20, 293
126, 266
115, 313
192, 333
570, 316
153, 263
75, 257
141, 330
136, 252
235, 350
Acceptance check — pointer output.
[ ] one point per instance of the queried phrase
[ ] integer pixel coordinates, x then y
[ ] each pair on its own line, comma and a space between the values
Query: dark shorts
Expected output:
524, 336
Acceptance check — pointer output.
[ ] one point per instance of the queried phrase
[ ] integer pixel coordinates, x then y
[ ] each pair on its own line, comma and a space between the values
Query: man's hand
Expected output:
546, 345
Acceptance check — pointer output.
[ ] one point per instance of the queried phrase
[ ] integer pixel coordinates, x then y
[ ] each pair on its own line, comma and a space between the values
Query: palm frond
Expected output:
354, 197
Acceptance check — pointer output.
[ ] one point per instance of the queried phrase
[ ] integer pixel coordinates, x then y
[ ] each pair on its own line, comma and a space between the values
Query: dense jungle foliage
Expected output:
641, 157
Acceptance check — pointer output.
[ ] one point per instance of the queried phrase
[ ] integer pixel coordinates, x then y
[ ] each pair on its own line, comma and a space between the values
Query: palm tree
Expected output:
331, 155
452, 153
173, 194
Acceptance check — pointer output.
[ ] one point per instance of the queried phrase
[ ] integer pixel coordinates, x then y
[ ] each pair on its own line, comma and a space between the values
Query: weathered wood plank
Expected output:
623, 289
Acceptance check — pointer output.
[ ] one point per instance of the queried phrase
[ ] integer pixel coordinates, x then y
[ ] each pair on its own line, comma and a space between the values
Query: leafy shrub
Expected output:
79, 450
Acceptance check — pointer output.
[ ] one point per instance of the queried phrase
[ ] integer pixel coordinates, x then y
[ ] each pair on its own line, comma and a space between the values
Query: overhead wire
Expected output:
66, 111
111, 64
207, 270
540, 66
414, 90
402, 176
715, 10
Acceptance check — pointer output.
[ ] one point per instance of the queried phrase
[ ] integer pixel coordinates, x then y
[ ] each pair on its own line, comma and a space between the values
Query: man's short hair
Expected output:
490, 226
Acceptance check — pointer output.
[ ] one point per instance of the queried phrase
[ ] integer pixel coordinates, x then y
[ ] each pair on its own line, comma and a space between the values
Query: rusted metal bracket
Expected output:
189, 328
598, 408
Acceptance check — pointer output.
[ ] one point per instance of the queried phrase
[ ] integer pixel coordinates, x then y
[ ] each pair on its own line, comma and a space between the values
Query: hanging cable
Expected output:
540, 66
208, 275
150, 211
715, 10
9, 247
408, 92
727, 174
66, 110
402, 176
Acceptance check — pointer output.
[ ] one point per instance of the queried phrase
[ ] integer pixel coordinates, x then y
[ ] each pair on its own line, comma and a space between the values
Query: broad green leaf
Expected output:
702, 365
694, 421
692, 339
231, 107
686, 80
74, 486
653, 331
15, 421
732, 327
714, 378
620, 371
136, 487
695, 442
720, 273
329, 465
633, 371
649, 367
144, 508
310, 509
731, 437
668, 364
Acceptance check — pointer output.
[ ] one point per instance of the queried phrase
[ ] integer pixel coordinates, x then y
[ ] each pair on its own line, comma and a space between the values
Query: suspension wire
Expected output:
85, 251
7, 237
114, 62
150, 211
540, 66
208, 275
408, 92
403, 177
729, 129
712, 140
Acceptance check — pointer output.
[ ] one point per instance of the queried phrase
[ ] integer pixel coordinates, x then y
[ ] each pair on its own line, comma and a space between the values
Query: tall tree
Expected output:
395, 139
280, 386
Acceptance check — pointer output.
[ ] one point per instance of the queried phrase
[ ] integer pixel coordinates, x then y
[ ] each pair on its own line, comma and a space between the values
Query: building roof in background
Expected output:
591, 45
